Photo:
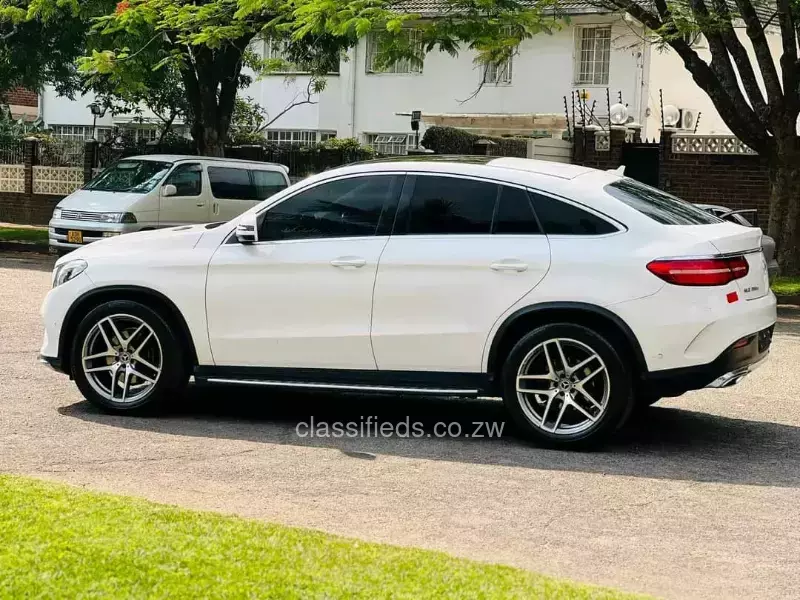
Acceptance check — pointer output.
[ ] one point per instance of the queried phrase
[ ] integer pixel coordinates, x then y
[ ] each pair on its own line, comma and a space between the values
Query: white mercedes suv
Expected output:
571, 293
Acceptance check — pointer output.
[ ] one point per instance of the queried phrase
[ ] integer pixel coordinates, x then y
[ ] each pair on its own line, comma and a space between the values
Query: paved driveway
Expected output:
698, 499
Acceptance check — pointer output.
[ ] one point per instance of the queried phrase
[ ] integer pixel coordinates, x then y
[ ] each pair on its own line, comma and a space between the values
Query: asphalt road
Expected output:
698, 499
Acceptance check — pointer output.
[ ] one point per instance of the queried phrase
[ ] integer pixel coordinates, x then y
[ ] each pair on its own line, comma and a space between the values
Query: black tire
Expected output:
174, 369
617, 407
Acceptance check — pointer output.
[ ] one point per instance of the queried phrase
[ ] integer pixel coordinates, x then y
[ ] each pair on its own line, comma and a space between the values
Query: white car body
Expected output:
86, 212
431, 309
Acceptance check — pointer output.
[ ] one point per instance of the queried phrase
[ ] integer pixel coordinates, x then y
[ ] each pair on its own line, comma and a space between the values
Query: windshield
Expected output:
659, 206
130, 176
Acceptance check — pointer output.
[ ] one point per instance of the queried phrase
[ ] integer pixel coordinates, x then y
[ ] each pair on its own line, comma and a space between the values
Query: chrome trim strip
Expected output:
710, 256
340, 386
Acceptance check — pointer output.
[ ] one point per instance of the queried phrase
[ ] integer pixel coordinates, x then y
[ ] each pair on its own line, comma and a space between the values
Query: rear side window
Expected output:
658, 205
268, 183
514, 213
230, 183
450, 205
562, 218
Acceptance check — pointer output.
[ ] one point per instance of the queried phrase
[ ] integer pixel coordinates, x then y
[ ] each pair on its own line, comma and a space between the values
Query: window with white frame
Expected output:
79, 132
497, 73
404, 65
390, 143
297, 137
592, 55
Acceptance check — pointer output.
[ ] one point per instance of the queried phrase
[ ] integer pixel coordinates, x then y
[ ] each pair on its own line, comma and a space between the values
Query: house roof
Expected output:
433, 8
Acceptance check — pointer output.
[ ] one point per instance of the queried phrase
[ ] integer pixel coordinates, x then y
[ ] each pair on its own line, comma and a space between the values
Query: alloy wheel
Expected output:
563, 386
122, 358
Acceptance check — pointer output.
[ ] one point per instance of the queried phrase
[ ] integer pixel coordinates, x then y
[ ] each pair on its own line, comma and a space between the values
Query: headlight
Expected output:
115, 217
56, 213
69, 270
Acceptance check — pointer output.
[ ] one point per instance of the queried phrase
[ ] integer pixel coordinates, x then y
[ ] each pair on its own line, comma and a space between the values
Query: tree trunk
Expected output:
784, 218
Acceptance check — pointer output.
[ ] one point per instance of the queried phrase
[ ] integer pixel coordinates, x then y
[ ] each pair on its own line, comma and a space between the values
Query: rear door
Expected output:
189, 204
463, 251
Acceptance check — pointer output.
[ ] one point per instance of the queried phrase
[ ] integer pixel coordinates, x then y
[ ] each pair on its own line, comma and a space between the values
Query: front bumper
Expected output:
90, 231
51, 361
729, 368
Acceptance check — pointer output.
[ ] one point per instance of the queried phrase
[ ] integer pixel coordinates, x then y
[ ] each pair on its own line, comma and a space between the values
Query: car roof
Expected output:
539, 167
173, 158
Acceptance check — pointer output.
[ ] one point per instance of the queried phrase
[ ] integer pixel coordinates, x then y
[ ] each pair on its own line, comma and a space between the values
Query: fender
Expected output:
70, 322
574, 307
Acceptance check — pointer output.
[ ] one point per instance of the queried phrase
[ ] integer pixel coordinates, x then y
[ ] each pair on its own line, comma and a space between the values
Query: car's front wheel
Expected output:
566, 386
126, 357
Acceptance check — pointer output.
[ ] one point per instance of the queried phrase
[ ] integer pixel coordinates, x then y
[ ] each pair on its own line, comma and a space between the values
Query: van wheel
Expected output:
566, 386
125, 357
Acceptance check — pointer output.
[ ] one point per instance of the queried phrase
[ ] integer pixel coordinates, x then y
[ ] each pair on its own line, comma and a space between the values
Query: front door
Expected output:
302, 295
189, 203
468, 251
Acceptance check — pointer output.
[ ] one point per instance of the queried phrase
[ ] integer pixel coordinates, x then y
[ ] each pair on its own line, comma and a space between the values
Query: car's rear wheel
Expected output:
125, 357
566, 386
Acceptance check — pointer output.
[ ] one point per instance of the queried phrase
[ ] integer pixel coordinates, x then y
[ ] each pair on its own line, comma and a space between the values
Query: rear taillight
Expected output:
699, 271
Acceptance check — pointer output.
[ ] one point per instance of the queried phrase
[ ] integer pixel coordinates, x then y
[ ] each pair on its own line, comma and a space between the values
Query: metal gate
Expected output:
641, 162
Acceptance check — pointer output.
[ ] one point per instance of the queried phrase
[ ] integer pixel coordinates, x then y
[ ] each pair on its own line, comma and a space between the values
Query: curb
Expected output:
792, 300
7, 246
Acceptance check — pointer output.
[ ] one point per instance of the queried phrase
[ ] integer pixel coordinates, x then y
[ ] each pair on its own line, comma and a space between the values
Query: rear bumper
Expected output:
727, 369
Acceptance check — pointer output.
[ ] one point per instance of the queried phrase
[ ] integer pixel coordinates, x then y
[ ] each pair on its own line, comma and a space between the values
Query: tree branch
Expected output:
766, 64
742, 60
789, 69
294, 103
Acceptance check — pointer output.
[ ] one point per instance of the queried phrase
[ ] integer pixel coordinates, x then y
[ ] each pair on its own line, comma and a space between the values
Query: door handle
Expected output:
348, 261
201, 204
509, 265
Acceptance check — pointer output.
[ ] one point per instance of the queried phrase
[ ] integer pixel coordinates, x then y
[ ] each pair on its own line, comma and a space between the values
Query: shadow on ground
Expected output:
663, 443
27, 261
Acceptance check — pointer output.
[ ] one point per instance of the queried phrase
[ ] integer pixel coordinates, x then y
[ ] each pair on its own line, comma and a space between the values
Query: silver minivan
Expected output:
149, 192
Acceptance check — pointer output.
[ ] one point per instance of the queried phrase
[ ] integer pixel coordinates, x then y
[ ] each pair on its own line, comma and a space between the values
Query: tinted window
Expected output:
561, 218
268, 183
514, 213
187, 179
442, 205
230, 183
659, 206
343, 208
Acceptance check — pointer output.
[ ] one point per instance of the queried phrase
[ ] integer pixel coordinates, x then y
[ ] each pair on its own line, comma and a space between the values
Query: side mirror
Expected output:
169, 190
247, 229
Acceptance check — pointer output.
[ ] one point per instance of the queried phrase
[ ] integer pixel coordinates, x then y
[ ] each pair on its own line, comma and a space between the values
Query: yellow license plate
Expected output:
75, 237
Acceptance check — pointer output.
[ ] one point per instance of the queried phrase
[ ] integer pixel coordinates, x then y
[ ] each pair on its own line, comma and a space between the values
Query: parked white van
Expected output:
149, 192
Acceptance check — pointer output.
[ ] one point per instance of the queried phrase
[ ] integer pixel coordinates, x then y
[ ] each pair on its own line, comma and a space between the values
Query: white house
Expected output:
596, 51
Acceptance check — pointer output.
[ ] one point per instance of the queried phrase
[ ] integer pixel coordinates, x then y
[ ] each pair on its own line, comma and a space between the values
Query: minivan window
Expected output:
244, 184
138, 176
451, 205
187, 179
268, 183
660, 206
230, 183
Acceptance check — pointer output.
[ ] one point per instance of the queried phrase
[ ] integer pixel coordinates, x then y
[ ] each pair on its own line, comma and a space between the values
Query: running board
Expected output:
394, 382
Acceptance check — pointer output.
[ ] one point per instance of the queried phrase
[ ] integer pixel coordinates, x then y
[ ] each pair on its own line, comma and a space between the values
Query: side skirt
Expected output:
399, 382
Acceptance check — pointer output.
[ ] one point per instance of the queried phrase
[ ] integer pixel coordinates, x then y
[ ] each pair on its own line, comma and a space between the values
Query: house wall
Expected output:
668, 74
542, 74
355, 102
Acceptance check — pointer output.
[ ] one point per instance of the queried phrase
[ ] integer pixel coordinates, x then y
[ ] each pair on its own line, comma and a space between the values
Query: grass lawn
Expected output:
62, 542
23, 234
786, 286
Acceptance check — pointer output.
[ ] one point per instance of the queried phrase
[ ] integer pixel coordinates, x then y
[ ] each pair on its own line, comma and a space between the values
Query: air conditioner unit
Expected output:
688, 119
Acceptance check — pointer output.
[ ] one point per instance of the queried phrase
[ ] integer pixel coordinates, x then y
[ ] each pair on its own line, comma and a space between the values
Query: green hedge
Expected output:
449, 140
